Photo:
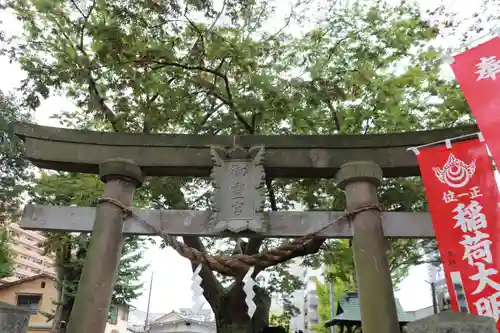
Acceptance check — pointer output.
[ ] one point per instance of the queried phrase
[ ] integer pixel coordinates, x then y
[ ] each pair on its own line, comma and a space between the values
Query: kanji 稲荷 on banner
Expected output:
478, 72
463, 196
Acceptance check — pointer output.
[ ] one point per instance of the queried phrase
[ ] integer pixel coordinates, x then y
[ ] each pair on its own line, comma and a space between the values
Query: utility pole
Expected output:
149, 302
434, 297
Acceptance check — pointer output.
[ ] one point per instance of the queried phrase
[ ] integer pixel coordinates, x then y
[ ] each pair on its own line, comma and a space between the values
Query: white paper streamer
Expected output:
248, 284
197, 298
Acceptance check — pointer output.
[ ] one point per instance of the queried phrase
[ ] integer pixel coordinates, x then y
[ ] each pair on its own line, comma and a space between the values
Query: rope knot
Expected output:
127, 211
351, 214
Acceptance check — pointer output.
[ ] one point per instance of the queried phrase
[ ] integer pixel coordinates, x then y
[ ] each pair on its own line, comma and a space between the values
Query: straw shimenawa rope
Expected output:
238, 264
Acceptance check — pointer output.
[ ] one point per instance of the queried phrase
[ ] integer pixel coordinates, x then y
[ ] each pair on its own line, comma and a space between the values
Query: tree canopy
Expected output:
6, 260
15, 174
222, 68
340, 287
14, 169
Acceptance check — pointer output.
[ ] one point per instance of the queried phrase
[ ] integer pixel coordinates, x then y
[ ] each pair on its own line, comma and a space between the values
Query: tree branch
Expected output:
92, 85
146, 124
219, 14
335, 115
108, 113
85, 18
228, 99
212, 288
255, 243
209, 114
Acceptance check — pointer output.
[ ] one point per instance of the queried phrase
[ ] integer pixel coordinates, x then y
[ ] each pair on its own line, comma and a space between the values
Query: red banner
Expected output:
463, 196
478, 72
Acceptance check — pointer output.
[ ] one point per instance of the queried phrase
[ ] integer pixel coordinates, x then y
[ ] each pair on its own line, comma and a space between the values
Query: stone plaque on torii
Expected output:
122, 160
238, 199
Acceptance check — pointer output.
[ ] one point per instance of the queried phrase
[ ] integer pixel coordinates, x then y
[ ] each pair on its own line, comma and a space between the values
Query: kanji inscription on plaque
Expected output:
238, 199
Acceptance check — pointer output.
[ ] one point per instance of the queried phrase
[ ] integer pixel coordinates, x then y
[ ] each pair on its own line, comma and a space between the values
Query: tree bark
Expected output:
63, 309
231, 315
62, 315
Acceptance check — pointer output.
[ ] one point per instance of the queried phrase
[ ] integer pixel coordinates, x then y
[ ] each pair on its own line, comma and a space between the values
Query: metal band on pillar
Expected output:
93, 298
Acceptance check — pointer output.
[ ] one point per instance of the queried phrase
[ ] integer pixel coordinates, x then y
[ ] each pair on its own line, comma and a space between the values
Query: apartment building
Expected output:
304, 299
310, 309
28, 254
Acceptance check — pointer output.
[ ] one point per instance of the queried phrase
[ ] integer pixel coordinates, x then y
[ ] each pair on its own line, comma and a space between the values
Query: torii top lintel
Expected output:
286, 156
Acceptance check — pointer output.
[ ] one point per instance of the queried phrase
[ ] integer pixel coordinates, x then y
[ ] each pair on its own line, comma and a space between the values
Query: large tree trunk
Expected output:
62, 316
63, 309
232, 317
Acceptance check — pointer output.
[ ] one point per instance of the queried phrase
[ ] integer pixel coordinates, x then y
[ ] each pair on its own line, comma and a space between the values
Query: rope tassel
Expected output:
248, 284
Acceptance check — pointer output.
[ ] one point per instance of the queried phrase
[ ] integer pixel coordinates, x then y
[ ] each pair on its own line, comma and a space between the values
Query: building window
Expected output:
29, 302
24, 267
42, 285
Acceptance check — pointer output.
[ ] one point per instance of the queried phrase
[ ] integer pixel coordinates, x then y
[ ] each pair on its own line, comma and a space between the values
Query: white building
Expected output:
118, 321
442, 296
304, 299
137, 320
180, 321
310, 307
184, 321
28, 254
436, 273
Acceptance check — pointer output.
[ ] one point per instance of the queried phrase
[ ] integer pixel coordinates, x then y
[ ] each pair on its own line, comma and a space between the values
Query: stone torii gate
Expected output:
238, 166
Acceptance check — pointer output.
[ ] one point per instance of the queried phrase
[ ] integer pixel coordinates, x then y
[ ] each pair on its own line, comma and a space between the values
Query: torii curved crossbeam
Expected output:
289, 156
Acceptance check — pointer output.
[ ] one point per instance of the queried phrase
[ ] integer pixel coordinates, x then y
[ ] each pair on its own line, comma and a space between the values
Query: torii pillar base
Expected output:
376, 294
93, 298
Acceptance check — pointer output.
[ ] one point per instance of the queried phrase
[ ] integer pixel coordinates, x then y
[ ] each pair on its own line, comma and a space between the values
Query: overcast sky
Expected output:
171, 287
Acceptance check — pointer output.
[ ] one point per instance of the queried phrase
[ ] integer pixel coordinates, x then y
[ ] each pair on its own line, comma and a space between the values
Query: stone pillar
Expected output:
13, 319
376, 294
93, 298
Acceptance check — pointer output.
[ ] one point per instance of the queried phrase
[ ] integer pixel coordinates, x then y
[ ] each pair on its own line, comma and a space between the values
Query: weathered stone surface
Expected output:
118, 168
192, 223
358, 172
294, 156
93, 298
13, 319
238, 199
453, 322
376, 293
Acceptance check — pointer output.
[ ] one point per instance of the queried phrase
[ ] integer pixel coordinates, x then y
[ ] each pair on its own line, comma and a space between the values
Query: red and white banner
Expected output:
463, 201
478, 72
